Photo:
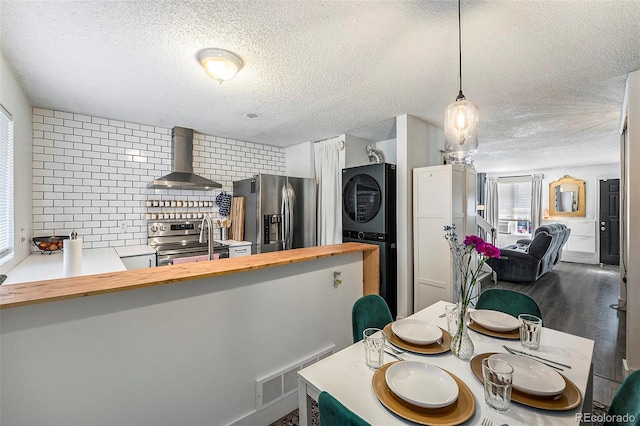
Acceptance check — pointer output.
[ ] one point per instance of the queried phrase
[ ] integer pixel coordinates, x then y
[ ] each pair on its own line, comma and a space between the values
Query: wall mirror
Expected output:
567, 197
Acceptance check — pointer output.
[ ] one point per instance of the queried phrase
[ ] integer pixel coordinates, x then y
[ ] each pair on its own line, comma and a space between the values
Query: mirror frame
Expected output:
566, 179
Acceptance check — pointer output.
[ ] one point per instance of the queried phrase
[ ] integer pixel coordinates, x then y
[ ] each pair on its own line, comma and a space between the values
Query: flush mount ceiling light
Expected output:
220, 64
461, 122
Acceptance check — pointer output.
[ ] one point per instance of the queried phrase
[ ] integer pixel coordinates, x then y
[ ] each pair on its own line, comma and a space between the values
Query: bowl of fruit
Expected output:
49, 244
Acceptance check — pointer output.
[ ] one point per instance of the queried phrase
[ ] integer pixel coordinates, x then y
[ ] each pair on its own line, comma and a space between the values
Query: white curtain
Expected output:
491, 205
536, 202
329, 191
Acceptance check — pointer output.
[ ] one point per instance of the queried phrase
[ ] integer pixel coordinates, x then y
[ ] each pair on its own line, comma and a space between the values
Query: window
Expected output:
514, 198
6, 185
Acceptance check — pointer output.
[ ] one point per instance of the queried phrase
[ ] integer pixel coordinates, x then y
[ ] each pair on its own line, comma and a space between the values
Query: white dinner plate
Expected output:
422, 384
416, 331
532, 377
494, 320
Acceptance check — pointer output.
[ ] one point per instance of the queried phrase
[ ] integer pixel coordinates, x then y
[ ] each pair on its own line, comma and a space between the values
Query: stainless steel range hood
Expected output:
182, 176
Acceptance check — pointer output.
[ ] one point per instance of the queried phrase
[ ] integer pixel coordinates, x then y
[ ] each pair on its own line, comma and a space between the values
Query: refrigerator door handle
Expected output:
283, 215
290, 203
288, 218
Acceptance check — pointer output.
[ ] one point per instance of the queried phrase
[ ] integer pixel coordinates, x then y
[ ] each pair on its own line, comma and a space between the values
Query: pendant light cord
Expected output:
460, 95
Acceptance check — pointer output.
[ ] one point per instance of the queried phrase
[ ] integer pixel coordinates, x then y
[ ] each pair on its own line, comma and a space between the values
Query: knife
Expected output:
517, 352
398, 357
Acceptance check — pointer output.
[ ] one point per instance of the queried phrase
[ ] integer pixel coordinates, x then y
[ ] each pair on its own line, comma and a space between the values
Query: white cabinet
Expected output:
442, 195
582, 245
583, 235
139, 262
137, 257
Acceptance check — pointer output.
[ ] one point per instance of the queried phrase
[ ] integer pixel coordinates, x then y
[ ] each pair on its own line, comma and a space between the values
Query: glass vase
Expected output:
461, 344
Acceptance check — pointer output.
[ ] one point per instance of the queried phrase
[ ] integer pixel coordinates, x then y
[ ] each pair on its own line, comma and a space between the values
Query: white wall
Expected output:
15, 101
355, 149
300, 160
179, 354
632, 194
90, 174
389, 150
591, 175
418, 145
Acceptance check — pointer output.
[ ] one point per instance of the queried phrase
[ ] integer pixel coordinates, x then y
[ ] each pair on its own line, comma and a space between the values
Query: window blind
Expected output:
514, 198
6, 185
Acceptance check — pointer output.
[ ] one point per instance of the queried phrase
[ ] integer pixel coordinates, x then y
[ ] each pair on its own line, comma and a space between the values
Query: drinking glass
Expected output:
530, 329
498, 379
374, 340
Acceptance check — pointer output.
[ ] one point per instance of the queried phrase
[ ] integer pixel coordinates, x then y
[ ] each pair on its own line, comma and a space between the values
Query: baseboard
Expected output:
580, 257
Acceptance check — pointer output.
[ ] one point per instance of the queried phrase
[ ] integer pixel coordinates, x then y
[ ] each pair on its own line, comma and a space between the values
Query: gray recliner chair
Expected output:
527, 260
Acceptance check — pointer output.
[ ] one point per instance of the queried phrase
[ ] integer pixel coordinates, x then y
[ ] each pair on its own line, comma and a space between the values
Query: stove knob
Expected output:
162, 228
361, 235
154, 228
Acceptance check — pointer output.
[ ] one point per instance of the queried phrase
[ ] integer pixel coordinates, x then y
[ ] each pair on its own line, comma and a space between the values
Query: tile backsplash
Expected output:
90, 174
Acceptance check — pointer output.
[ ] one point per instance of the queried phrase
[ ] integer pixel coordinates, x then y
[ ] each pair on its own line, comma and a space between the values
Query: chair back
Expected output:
625, 408
369, 311
508, 301
333, 413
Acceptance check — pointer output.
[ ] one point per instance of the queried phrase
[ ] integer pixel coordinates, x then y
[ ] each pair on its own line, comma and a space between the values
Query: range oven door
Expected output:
166, 257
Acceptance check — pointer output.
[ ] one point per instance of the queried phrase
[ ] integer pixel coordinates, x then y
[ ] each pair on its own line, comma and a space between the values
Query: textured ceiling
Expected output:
548, 76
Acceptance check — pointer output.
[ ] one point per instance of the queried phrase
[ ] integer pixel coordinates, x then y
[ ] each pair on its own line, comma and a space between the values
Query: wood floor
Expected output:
577, 299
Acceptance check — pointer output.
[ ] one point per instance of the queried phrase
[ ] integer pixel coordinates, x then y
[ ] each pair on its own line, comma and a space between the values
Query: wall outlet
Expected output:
22, 235
123, 226
337, 278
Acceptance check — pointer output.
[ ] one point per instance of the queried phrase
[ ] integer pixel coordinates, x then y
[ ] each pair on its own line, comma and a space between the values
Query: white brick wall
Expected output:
90, 174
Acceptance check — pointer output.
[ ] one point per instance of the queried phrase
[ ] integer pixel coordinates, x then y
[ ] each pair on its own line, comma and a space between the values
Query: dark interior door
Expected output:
609, 223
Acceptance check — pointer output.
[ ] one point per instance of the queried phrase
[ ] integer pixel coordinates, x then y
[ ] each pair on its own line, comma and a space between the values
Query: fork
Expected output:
486, 422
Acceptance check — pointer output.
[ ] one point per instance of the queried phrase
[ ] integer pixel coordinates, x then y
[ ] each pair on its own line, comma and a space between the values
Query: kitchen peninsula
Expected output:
181, 344
93, 282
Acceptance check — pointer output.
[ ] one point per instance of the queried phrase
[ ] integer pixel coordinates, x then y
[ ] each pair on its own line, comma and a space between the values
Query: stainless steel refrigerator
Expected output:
280, 212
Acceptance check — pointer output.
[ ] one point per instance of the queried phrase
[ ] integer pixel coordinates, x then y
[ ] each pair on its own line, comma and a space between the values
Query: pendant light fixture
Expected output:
461, 122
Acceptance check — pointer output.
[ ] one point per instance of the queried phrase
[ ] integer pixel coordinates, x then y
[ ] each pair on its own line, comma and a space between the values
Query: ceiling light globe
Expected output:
461, 132
219, 64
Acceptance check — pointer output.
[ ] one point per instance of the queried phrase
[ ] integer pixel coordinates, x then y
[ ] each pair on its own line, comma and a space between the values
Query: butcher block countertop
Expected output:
30, 293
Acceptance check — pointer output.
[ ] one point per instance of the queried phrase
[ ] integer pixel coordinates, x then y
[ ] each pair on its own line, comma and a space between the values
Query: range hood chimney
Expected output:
182, 176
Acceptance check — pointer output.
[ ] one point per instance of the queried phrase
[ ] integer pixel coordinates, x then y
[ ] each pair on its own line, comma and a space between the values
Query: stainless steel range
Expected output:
180, 239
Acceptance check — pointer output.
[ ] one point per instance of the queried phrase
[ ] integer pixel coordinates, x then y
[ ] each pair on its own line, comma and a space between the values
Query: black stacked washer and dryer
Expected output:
369, 216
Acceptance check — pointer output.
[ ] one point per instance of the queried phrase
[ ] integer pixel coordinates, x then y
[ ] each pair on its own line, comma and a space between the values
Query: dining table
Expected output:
346, 376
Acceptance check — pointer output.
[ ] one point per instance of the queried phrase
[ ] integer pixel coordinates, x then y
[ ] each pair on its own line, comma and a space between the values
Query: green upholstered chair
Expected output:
333, 413
625, 408
508, 301
369, 311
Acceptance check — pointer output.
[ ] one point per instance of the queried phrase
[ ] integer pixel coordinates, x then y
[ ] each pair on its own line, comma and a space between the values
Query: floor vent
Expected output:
274, 387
